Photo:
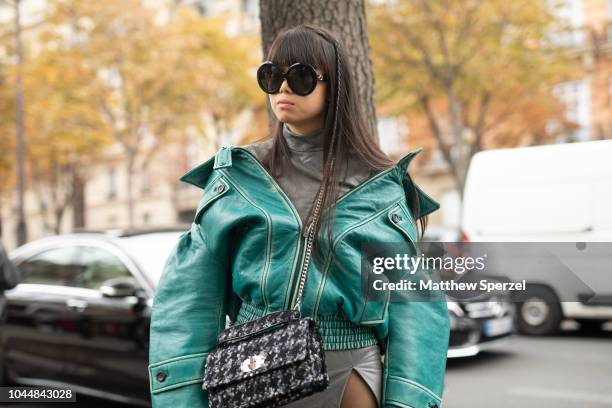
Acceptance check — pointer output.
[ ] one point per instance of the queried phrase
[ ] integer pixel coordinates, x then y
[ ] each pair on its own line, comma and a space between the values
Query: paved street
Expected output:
572, 370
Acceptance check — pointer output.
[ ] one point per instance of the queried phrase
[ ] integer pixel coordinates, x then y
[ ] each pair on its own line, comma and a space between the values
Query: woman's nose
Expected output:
285, 87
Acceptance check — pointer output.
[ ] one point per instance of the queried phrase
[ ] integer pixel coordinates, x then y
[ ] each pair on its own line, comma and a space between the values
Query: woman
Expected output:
9, 278
242, 255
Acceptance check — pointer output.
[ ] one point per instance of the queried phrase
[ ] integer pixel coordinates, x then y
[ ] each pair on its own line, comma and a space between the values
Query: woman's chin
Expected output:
285, 117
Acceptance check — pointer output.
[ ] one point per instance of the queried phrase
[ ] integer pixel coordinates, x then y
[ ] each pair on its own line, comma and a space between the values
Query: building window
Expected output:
576, 97
570, 13
392, 132
112, 184
202, 6
191, 153
145, 178
610, 89
250, 7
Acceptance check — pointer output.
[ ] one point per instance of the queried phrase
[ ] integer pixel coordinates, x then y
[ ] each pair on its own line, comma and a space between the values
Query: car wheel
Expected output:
540, 313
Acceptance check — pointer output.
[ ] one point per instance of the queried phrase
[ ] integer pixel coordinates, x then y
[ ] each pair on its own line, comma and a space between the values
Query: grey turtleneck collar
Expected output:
302, 179
312, 141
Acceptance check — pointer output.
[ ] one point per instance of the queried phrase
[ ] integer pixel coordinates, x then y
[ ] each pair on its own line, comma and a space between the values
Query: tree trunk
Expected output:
78, 201
346, 19
1, 220
22, 232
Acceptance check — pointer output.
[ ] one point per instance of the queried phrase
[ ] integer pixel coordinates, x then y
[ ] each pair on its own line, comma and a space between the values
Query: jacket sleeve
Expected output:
417, 337
415, 360
188, 313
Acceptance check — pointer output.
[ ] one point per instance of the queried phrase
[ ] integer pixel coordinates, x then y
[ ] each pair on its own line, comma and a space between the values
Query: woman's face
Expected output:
303, 114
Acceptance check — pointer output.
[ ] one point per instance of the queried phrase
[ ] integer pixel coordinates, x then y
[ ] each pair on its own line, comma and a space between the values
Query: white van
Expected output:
551, 193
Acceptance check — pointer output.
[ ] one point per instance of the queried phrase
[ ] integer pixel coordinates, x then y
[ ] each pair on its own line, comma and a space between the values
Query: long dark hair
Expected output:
346, 132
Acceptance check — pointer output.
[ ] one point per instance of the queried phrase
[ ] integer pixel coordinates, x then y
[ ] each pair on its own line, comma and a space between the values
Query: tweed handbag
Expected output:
270, 361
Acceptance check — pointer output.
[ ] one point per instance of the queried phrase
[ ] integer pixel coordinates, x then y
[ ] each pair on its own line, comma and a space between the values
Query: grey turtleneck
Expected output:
301, 182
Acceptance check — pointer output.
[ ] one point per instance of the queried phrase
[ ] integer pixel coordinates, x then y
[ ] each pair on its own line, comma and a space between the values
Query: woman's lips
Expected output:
283, 104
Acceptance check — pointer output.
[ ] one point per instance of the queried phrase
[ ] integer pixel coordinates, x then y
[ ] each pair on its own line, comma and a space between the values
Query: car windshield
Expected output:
151, 251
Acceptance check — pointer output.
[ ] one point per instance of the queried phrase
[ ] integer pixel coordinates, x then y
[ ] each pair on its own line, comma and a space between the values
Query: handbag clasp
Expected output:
252, 363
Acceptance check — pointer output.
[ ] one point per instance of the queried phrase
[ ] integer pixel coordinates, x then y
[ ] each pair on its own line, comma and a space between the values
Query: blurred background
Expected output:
105, 104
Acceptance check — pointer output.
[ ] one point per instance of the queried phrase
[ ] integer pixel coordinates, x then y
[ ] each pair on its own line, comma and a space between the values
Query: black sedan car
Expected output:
477, 322
479, 325
80, 316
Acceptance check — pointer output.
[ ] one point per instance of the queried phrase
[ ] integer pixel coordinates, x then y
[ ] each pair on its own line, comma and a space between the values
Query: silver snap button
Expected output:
161, 376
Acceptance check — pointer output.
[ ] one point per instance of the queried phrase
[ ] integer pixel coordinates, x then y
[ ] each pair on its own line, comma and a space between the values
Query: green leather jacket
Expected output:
242, 258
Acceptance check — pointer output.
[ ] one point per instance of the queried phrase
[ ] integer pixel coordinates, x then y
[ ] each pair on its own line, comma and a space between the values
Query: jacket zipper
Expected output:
268, 239
296, 216
295, 285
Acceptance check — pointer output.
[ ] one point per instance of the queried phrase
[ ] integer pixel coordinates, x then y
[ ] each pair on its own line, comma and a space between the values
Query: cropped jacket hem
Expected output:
338, 333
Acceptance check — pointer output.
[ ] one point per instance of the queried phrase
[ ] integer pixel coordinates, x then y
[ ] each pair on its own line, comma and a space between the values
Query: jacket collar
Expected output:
198, 176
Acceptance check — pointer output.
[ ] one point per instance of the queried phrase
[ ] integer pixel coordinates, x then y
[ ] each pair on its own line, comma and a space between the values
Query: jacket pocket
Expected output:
215, 190
375, 309
390, 225
400, 218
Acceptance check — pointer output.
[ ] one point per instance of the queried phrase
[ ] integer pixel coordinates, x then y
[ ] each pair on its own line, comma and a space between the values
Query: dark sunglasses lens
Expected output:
301, 79
269, 78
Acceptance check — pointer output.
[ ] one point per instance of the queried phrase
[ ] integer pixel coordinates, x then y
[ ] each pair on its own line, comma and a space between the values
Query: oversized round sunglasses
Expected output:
302, 78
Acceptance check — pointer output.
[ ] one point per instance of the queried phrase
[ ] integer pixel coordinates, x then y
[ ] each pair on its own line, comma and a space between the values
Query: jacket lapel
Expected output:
426, 203
200, 174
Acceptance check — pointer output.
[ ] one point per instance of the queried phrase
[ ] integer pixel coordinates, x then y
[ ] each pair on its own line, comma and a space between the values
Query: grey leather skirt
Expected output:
366, 361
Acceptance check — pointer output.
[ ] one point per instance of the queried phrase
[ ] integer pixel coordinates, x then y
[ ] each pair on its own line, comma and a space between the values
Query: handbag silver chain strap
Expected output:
298, 299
